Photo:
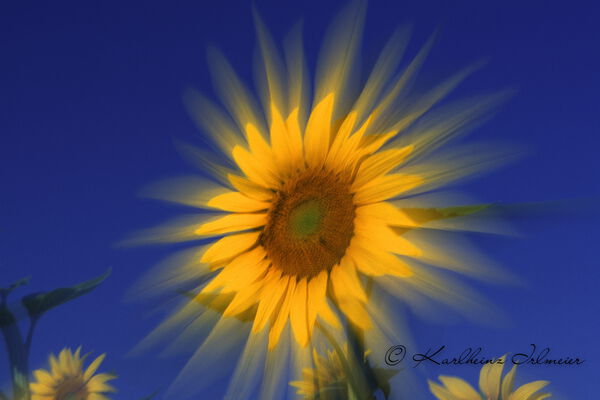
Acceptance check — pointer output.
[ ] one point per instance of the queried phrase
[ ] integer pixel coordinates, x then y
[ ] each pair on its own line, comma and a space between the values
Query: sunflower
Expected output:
315, 202
67, 380
339, 375
491, 385
327, 379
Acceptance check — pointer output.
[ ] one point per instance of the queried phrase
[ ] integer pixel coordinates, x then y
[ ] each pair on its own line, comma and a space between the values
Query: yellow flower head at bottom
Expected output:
341, 374
328, 372
491, 385
67, 380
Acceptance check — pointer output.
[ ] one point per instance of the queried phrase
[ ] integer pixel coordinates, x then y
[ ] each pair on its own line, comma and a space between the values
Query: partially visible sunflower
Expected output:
67, 380
491, 386
316, 202
340, 375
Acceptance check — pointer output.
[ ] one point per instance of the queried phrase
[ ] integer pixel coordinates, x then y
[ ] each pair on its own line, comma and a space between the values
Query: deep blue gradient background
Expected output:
91, 102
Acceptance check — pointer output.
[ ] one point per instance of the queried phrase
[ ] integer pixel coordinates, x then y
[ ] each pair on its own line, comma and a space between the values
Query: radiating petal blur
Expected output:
323, 210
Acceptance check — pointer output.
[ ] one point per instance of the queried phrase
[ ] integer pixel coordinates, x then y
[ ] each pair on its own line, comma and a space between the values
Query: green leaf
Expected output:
461, 211
14, 285
6, 317
38, 303
423, 215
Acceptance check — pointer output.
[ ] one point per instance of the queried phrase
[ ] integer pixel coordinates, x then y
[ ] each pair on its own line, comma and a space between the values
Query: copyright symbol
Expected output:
395, 354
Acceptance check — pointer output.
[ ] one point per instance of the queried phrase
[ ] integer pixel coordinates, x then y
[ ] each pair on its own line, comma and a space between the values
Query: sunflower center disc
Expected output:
310, 223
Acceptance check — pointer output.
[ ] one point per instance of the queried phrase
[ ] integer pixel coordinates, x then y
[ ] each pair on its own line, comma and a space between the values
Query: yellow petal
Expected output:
241, 271
348, 154
379, 164
257, 143
96, 396
237, 202
317, 288
287, 146
376, 234
385, 212
41, 389
54, 366
294, 135
345, 279
97, 384
524, 392
250, 188
316, 138
77, 360
386, 187
279, 136
43, 377
270, 297
376, 262
281, 314
232, 223
262, 153
440, 392
244, 299
328, 315
484, 385
340, 142
228, 247
318, 292
91, 370
371, 143
64, 360
298, 313
459, 388
490, 379
254, 168
541, 396
508, 382
354, 310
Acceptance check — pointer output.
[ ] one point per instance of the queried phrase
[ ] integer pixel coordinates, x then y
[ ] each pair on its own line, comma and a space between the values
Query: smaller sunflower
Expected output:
67, 379
339, 375
327, 375
491, 385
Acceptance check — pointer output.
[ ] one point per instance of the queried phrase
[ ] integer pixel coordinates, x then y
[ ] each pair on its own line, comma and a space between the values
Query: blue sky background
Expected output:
91, 103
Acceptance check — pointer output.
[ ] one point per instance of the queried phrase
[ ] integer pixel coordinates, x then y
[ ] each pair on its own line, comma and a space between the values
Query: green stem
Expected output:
356, 345
32, 324
18, 352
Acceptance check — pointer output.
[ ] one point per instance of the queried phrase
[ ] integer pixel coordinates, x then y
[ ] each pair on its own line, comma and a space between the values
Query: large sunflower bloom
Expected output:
67, 379
316, 220
312, 209
491, 384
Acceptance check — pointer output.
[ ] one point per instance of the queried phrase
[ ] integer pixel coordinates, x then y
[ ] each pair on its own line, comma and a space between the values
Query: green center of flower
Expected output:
306, 219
